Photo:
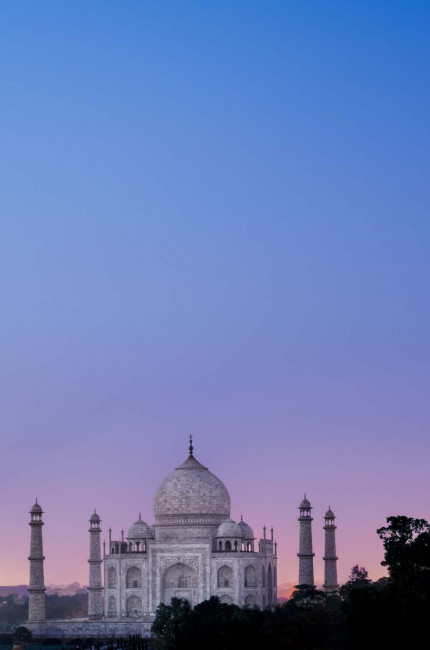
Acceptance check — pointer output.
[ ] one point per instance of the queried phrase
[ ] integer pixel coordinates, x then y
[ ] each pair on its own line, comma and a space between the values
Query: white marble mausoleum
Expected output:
193, 550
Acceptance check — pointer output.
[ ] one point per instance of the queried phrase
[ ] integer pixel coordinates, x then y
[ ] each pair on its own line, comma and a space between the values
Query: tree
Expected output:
407, 552
358, 579
227, 626
407, 556
307, 596
358, 573
170, 622
309, 620
23, 634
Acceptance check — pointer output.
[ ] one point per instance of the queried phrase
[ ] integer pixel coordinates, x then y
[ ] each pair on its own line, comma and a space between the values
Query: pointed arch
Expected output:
133, 578
250, 576
225, 577
226, 599
112, 610
180, 581
111, 578
269, 585
134, 607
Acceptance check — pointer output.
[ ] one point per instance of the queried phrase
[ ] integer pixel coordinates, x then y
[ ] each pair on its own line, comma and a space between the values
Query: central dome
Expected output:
191, 494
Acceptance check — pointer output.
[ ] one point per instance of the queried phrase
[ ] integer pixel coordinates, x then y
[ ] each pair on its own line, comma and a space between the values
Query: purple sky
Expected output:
213, 220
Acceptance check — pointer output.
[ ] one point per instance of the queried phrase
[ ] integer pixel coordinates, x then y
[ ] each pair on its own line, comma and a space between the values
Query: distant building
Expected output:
194, 550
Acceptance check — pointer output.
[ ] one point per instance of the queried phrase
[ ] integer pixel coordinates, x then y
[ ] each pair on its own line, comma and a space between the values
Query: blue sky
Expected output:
214, 219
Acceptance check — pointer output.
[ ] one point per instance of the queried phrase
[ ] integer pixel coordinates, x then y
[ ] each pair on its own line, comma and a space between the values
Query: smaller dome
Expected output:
36, 509
329, 514
229, 528
305, 504
247, 532
94, 517
139, 529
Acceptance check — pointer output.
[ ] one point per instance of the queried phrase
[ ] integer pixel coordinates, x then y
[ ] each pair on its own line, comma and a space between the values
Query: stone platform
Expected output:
83, 628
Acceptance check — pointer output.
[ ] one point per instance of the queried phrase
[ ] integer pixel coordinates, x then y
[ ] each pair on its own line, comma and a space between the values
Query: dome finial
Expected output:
191, 448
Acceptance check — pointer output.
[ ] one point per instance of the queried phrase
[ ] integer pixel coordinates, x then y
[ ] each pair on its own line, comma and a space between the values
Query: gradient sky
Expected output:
214, 219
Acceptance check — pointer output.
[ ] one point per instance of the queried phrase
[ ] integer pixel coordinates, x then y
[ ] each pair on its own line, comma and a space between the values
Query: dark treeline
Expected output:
14, 608
67, 606
390, 613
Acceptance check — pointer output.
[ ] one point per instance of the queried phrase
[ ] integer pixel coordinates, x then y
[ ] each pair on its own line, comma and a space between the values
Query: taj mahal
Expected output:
193, 551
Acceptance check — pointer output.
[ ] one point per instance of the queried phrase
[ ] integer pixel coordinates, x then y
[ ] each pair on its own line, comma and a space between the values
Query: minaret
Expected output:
305, 554
330, 559
95, 589
36, 587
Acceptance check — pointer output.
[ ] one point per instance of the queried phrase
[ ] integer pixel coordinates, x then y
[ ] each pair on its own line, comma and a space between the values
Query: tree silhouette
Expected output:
407, 551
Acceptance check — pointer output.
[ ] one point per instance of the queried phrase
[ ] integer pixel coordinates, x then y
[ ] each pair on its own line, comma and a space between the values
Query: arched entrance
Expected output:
112, 578
225, 577
112, 606
134, 607
133, 578
180, 581
250, 576
226, 599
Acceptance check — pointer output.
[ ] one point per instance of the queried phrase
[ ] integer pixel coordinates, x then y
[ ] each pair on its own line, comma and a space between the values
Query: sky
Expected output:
214, 219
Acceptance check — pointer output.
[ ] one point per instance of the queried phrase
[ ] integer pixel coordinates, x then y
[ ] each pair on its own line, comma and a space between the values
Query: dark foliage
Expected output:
308, 621
22, 633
